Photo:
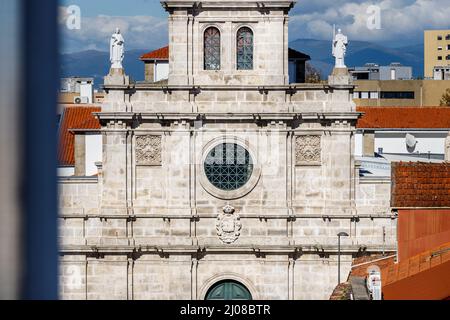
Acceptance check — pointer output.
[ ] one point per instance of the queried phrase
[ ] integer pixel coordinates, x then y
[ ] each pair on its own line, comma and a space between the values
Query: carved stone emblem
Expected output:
308, 150
228, 225
148, 150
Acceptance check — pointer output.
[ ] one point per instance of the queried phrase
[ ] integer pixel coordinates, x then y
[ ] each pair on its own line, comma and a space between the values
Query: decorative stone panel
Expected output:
308, 150
228, 225
148, 150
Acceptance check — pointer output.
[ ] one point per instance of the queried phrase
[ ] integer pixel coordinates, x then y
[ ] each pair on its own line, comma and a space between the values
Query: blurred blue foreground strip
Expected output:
40, 78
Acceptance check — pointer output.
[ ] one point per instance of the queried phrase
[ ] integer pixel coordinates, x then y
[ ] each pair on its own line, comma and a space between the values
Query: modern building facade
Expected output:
372, 71
406, 93
228, 182
81, 90
436, 51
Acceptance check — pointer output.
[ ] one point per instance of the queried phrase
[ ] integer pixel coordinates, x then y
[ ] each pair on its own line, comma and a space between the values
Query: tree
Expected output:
312, 74
445, 100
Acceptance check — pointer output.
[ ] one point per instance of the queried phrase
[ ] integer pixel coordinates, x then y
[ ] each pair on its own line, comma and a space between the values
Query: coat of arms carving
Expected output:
228, 225
308, 150
148, 150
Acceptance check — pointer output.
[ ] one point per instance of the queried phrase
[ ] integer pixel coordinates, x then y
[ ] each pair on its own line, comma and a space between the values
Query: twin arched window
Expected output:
244, 49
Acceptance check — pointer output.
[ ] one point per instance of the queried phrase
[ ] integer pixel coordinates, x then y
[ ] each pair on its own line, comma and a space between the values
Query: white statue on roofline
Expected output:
117, 50
340, 43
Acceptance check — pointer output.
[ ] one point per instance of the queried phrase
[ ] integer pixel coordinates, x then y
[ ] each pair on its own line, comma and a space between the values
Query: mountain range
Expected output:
96, 63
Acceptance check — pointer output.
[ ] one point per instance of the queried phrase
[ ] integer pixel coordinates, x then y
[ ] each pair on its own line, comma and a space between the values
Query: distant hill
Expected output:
96, 63
360, 53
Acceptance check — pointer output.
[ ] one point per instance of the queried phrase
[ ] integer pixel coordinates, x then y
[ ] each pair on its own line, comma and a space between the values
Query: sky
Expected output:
144, 22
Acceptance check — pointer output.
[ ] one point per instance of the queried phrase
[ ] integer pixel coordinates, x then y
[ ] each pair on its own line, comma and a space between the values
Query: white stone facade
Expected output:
152, 226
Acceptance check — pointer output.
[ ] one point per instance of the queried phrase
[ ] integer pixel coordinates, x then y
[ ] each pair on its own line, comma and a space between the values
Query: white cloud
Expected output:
401, 20
140, 32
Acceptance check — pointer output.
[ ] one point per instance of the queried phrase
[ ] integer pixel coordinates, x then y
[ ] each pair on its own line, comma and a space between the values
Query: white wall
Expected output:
66, 171
394, 141
87, 90
359, 144
93, 146
161, 71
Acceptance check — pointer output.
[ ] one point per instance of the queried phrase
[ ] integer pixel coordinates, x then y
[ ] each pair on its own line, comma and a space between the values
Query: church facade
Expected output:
226, 183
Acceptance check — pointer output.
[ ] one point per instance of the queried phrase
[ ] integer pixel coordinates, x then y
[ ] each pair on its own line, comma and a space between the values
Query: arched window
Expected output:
212, 49
244, 49
228, 290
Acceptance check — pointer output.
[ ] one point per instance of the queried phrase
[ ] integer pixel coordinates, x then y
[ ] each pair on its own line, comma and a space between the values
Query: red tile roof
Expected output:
404, 117
416, 184
360, 265
159, 54
74, 118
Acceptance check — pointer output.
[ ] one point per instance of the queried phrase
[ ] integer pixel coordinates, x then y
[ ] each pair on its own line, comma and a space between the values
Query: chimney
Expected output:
368, 143
80, 155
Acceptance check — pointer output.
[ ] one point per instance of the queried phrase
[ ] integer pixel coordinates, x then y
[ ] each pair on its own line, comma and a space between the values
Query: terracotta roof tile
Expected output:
159, 54
417, 184
360, 265
74, 118
404, 117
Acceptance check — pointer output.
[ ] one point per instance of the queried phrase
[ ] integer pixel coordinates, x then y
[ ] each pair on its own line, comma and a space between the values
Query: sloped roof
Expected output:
404, 118
416, 184
294, 54
158, 54
74, 118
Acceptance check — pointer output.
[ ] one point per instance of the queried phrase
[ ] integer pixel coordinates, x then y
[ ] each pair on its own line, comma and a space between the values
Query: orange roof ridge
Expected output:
158, 54
404, 117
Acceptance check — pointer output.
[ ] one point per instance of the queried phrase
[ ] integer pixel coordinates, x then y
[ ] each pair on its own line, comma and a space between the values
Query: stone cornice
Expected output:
227, 4
224, 249
197, 88
75, 179
280, 116
356, 217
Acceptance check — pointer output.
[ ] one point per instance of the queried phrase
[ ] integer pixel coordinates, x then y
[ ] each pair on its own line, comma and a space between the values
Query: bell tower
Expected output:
228, 42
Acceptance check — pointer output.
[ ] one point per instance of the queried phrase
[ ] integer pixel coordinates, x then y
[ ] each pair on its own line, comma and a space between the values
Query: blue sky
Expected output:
144, 22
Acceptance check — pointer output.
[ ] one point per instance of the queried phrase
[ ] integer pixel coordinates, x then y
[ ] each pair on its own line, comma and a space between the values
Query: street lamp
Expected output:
340, 234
